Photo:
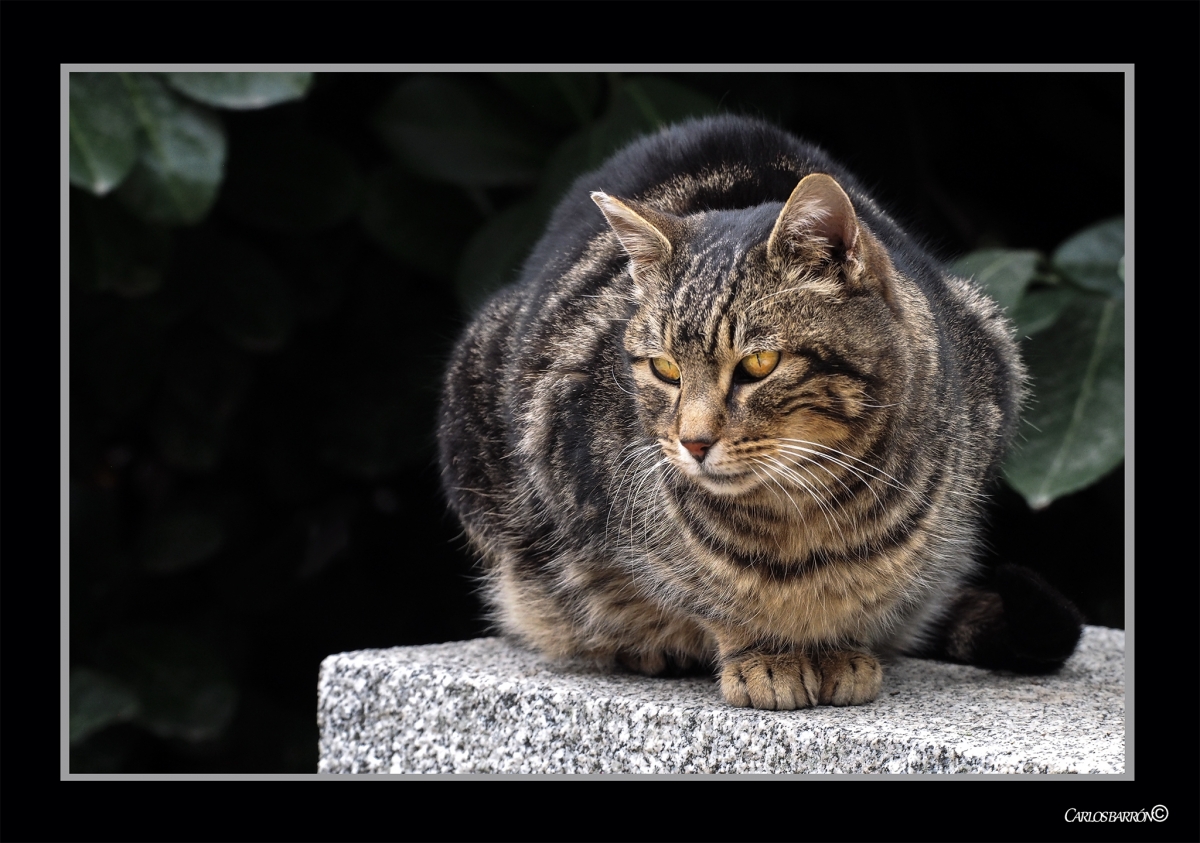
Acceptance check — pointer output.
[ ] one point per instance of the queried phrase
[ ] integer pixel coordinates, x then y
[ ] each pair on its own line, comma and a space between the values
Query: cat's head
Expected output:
764, 340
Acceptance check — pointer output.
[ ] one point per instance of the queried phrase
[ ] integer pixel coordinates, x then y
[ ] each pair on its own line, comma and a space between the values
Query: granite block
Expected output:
489, 706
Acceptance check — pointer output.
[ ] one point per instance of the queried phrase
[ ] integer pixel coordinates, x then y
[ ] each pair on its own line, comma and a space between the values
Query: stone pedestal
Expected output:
487, 706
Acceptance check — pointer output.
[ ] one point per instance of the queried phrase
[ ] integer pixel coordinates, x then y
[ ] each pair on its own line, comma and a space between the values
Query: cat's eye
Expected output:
759, 364
665, 369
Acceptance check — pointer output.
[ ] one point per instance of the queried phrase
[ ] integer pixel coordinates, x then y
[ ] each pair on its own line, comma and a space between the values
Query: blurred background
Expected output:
267, 273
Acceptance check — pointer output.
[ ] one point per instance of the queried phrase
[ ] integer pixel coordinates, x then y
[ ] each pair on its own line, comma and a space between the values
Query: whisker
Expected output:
617, 381
810, 447
778, 466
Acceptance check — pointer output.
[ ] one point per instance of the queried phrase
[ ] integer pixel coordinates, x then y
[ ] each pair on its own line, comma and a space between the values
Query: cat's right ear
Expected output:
818, 226
817, 217
644, 232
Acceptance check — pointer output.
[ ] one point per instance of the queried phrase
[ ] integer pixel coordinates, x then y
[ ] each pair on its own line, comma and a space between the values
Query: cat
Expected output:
736, 419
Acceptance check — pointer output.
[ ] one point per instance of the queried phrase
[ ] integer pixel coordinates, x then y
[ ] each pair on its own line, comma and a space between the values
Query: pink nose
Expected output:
697, 449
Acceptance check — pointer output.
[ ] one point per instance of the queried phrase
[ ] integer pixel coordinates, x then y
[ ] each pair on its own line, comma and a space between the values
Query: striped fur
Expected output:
640, 493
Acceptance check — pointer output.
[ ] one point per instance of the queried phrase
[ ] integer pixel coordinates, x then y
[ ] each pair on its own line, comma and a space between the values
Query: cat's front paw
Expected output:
785, 681
776, 681
849, 677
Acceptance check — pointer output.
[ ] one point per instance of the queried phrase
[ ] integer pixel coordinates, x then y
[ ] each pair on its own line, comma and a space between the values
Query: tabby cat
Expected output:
737, 419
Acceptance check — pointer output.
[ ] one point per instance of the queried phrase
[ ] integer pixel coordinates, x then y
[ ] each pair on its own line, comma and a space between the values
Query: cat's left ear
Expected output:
644, 232
818, 216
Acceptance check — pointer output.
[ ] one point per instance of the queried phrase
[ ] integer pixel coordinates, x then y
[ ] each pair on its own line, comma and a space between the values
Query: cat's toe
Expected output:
775, 681
849, 677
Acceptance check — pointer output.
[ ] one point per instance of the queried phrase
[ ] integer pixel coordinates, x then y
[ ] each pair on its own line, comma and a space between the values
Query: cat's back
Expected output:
723, 162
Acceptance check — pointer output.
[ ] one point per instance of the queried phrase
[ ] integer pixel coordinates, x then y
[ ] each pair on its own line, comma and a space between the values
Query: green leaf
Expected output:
1091, 258
445, 131
98, 701
122, 362
204, 385
188, 442
370, 426
650, 103
1003, 273
1041, 307
128, 256
583, 151
81, 211
241, 90
179, 540
638, 106
421, 223
495, 253
290, 181
249, 299
105, 752
103, 131
493, 257
180, 294
182, 157
185, 689
559, 99
320, 270
1075, 425
204, 375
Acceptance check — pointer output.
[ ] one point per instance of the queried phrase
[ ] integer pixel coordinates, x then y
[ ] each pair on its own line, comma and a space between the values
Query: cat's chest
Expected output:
772, 528
818, 599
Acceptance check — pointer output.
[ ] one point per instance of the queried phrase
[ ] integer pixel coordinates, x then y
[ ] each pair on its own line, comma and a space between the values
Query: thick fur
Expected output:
732, 416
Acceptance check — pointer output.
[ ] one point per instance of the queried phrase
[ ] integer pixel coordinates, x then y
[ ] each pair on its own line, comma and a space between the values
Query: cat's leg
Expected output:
664, 646
623, 628
1018, 622
663, 663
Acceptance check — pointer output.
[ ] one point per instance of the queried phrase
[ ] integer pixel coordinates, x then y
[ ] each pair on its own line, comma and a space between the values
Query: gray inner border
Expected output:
64, 392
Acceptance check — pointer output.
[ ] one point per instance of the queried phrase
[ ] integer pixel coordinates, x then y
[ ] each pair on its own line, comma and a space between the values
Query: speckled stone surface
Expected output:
487, 706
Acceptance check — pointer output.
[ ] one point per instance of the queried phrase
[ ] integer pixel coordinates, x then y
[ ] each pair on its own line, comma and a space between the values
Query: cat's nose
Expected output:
697, 448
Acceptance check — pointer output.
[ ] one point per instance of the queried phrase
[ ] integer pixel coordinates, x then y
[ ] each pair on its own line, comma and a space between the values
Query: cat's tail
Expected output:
1017, 622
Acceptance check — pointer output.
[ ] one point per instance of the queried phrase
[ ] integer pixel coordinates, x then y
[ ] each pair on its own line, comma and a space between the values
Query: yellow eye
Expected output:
665, 369
760, 363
